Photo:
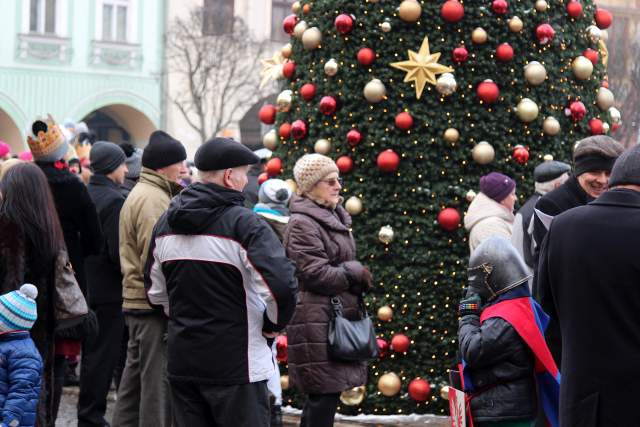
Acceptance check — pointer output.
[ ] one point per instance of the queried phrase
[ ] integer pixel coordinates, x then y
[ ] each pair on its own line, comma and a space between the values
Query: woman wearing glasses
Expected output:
319, 241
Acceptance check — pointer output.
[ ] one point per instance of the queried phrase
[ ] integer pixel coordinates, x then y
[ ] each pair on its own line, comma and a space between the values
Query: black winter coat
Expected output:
104, 278
590, 274
78, 218
501, 366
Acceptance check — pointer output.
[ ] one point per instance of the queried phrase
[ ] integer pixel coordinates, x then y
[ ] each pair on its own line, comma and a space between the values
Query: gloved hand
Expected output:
471, 304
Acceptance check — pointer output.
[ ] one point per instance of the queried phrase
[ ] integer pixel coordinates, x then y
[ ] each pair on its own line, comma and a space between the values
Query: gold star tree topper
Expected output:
422, 67
271, 68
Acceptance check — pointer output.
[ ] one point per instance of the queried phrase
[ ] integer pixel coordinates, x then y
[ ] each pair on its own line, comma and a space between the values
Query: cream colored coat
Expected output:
485, 218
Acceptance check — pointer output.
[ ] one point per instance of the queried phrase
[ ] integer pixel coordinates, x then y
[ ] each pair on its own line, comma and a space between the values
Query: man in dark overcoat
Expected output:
590, 267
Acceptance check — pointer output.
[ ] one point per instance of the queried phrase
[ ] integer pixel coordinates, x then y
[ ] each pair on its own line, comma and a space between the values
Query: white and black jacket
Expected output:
221, 275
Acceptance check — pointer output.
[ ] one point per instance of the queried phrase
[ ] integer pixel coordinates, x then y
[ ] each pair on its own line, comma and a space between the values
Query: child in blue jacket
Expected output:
20, 361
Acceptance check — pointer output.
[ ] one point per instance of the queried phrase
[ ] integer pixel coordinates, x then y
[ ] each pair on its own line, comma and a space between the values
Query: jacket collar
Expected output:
619, 197
574, 186
152, 177
103, 180
338, 219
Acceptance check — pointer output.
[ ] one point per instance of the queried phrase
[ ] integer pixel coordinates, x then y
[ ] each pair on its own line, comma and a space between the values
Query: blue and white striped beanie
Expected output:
18, 309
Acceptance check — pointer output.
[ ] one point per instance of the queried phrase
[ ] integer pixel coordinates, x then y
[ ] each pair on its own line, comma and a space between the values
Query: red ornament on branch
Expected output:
267, 114
299, 129
328, 105
308, 91
419, 390
520, 154
545, 33
452, 11
591, 55
596, 126
289, 69
285, 130
262, 178
281, 348
343, 23
289, 23
488, 92
574, 9
500, 6
366, 56
449, 219
388, 161
273, 167
504, 52
577, 111
404, 121
400, 343
460, 54
354, 137
603, 18
345, 164
605, 84
383, 348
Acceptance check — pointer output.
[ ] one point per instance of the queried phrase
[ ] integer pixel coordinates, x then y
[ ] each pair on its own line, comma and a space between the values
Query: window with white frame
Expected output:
42, 16
115, 20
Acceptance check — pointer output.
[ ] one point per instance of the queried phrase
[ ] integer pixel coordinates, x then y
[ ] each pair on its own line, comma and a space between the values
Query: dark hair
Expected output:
27, 207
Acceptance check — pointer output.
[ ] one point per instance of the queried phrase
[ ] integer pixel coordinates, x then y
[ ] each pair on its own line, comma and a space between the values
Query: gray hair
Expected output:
545, 187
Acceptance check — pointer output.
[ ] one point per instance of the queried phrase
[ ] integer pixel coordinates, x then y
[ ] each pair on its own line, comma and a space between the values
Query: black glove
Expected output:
470, 305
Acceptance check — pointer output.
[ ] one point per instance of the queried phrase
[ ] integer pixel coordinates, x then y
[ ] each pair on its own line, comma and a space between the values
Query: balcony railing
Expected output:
116, 55
47, 48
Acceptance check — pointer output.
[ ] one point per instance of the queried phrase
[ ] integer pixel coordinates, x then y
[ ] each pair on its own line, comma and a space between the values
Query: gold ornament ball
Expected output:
615, 115
331, 67
582, 68
483, 153
299, 29
541, 5
551, 126
594, 33
296, 6
470, 196
375, 91
354, 396
270, 140
389, 384
353, 205
527, 110
284, 382
322, 146
311, 38
385, 313
479, 36
292, 185
385, 26
446, 84
444, 392
548, 158
284, 100
386, 234
515, 24
451, 135
287, 50
605, 98
410, 10
535, 73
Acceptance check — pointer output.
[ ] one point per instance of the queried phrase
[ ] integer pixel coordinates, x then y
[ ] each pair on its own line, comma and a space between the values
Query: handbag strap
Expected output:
336, 304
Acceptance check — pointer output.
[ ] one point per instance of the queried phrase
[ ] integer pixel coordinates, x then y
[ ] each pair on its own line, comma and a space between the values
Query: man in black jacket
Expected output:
590, 265
100, 355
222, 276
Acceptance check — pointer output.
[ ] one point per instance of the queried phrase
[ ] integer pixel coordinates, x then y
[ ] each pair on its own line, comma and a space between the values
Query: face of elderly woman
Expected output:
328, 189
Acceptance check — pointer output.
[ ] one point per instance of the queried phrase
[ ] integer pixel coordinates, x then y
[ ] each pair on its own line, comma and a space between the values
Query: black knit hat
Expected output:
223, 153
105, 157
163, 150
626, 169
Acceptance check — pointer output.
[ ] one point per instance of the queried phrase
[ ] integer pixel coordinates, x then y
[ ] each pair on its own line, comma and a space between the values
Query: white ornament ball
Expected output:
535, 73
331, 67
470, 196
375, 91
354, 205
446, 84
595, 33
270, 140
284, 100
551, 126
311, 38
385, 26
605, 98
582, 67
541, 5
299, 29
386, 234
615, 115
527, 110
322, 146
483, 153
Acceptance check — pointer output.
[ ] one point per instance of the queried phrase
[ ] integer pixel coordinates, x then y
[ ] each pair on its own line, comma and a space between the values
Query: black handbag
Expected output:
351, 340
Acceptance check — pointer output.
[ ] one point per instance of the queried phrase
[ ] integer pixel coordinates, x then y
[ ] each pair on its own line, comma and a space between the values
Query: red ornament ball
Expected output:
289, 23
343, 23
285, 130
596, 126
273, 167
267, 114
262, 178
574, 9
383, 348
577, 110
308, 91
500, 6
328, 105
504, 52
299, 129
404, 121
281, 348
345, 164
366, 56
615, 127
460, 54
388, 161
419, 390
400, 343
605, 84
354, 137
289, 69
545, 33
452, 11
521, 154
603, 18
449, 219
488, 92
591, 55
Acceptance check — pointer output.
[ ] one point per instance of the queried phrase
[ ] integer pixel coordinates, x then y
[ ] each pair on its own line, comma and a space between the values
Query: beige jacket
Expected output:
148, 200
485, 218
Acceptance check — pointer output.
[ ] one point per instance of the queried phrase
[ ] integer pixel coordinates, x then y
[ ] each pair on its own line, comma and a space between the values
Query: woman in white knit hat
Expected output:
318, 240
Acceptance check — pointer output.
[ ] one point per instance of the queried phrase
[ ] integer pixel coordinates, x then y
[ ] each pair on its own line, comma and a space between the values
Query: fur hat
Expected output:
18, 310
496, 186
46, 141
310, 169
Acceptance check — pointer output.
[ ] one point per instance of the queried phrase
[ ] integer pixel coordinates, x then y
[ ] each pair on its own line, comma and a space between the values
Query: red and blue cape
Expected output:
525, 315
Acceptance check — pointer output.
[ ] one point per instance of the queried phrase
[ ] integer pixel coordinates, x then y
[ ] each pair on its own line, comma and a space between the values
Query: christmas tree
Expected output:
415, 100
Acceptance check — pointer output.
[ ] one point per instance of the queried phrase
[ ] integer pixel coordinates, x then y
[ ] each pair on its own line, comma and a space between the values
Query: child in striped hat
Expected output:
21, 370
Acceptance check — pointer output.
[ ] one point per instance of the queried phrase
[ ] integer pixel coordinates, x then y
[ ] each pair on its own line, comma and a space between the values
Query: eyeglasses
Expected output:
333, 181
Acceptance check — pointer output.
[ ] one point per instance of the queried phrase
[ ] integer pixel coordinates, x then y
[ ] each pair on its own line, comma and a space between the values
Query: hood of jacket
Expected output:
483, 207
337, 219
198, 205
152, 177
